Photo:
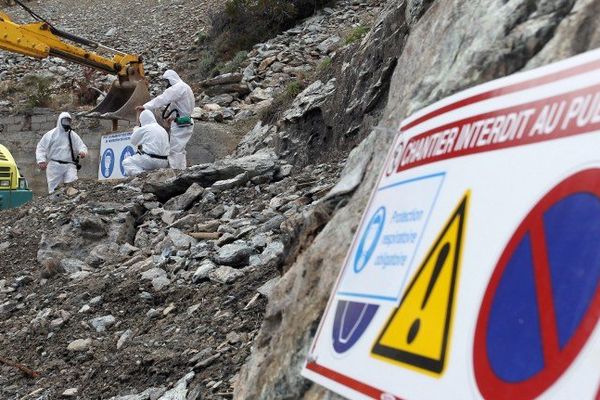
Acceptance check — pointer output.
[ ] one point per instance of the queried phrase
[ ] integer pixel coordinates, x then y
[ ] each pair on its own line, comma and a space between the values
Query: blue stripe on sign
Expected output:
573, 237
514, 344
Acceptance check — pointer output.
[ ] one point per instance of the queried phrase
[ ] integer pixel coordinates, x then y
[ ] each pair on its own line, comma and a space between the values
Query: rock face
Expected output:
180, 277
417, 53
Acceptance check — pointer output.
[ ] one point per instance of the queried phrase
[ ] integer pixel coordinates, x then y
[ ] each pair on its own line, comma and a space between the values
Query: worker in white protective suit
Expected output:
152, 142
58, 153
177, 103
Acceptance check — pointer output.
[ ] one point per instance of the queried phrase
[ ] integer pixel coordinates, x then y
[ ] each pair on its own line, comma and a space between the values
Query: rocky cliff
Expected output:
422, 51
210, 283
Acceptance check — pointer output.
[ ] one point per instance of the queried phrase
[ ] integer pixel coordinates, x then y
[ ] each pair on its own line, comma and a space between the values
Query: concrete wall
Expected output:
21, 133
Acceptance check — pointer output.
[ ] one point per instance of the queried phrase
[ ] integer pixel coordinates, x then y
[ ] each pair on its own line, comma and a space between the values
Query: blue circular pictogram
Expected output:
369, 240
126, 153
351, 321
107, 163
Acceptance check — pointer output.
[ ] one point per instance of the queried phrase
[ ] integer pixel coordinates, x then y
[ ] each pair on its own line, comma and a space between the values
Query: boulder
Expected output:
222, 80
235, 254
203, 271
329, 45
72, 265
186, 200
225, 275
311, 98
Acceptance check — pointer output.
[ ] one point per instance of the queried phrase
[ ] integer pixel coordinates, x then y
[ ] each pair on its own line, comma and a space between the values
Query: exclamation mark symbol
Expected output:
439, 264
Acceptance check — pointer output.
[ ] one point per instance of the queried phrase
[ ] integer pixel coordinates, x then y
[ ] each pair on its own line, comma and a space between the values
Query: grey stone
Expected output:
180, 391
111, 32
272, 224
124, 338
267, 289
100, 324
80, 275
205, 268
239, 180
160, 283
72, 265
70, 392
180, 239
80, 345
311, 98
186, 200
223, 100
259, 95
153, 273
273, 254
217, 211
223, 80
103, 253
225, 274
235, 254
186, 222
96, 301
127, 249
355, 168
249, 73
329, 45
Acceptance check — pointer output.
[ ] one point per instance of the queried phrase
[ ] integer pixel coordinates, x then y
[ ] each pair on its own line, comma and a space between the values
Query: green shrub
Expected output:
282, 102
357, 34
207, 64
324, 65
37, 90
243, 23
293, 89
235, 63
201, 37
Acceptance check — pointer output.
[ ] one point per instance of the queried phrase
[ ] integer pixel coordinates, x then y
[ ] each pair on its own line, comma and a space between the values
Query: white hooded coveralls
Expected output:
181, 98
54, 146
150, 138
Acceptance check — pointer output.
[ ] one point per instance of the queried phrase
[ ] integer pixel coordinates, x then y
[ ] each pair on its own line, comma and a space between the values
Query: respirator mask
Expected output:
66, 124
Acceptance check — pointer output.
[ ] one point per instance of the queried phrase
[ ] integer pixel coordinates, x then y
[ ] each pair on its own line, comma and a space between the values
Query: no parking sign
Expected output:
475, 272
114, 149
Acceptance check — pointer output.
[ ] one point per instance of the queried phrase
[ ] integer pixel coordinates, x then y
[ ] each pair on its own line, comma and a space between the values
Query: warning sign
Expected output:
543, 301
114, 149
418, 332
475, 270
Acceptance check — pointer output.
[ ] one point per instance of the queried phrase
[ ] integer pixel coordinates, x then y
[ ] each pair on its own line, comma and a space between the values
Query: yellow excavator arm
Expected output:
41, 39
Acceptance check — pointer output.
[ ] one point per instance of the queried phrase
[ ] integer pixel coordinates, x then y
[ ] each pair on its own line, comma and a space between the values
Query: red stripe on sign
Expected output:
545, 302
350, 382
482, 133
517, 87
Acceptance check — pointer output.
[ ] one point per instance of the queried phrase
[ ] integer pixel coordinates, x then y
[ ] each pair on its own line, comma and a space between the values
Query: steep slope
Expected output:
445, 46
164, 286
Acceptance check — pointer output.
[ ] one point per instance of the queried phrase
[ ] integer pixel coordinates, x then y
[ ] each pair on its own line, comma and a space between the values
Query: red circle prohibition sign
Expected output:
557, 350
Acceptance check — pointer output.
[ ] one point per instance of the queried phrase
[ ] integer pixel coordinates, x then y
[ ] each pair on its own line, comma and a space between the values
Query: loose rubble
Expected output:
272, 66
157, 276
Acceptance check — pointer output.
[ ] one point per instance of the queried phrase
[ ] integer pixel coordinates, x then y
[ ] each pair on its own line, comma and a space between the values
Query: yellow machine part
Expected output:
40, 40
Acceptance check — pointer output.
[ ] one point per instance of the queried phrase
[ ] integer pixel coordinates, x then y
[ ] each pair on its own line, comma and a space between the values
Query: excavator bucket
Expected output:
121, 101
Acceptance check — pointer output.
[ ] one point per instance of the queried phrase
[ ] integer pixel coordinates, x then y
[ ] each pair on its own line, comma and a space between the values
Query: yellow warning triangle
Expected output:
417, 334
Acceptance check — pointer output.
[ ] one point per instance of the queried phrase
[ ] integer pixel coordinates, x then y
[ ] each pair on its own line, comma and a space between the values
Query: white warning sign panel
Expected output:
474, 272
114, 149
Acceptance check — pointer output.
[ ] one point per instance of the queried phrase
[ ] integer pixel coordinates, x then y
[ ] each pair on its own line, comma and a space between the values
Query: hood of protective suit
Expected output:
147, 118
59, 127
171, 76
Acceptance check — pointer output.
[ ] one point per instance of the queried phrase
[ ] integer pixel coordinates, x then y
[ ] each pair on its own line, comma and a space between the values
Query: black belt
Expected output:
63, 162
153, 155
